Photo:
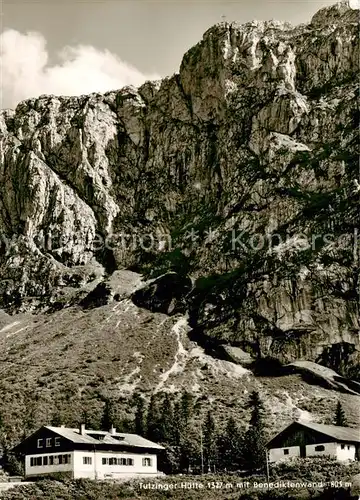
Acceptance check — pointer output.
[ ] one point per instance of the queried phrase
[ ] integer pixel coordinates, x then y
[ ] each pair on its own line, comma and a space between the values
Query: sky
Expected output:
73, 47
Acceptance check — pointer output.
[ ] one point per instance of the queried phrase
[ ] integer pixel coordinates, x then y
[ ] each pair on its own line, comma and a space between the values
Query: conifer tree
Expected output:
183, 409
167, 422
230, 443
178, 423
185, 435
340, 418
90, 415
140, 415
2, 433
29, 418
154, 419
108, 416
254, 451
209, 442
57, 417
171, 431
85, 418
187, 407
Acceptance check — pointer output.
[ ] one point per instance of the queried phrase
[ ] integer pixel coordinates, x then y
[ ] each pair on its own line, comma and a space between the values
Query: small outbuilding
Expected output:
306, 439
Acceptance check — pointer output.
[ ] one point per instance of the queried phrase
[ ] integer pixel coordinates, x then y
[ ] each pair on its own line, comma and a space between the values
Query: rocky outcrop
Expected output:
317, 374
166, 294
236, 355
240, 171
119, 286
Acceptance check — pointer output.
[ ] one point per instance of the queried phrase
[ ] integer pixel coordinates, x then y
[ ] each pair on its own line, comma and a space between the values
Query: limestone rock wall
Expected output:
256, 135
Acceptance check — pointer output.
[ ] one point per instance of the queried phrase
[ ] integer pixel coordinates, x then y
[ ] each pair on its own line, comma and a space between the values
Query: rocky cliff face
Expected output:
239, 172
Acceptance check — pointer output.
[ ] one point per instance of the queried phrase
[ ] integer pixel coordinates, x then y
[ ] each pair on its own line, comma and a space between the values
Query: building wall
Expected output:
346, 453
48, 469
330, 449
94, 469
276, 454
97, 470
333, 450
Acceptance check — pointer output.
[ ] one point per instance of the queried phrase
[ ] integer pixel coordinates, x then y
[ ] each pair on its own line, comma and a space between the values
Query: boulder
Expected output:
165, 294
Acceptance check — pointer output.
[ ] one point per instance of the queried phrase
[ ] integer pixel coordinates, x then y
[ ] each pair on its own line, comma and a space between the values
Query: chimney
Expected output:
82, 429
112, 431
296, 414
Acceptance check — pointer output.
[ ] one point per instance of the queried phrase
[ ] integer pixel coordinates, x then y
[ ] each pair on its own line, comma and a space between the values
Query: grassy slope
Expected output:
73, 359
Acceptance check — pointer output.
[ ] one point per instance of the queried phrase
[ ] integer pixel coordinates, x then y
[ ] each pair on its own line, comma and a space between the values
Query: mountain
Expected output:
205, 223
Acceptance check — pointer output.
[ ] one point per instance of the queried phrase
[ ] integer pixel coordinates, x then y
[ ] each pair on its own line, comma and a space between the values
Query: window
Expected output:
40, 443
57, 441
348, 447
48, 442
64, 459
286, 452
147, 461
88, 460
320, 448
35, 461
118, 461
343, 447
50, 460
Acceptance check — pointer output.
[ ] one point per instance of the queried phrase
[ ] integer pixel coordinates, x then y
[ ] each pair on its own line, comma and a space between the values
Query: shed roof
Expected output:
336, 433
